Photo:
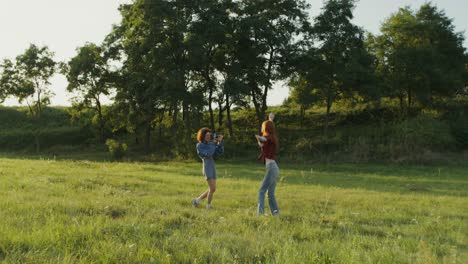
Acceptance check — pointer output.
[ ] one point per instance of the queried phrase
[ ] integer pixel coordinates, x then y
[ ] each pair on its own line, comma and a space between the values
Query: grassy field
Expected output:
83, 211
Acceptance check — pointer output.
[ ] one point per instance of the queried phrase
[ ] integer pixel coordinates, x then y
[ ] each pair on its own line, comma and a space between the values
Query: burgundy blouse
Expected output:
268, 149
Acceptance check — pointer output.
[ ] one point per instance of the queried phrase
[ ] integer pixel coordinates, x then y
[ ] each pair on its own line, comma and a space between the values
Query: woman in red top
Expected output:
270, 146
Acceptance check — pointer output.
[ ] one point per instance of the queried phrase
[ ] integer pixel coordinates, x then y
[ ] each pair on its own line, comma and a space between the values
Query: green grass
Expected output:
82, 211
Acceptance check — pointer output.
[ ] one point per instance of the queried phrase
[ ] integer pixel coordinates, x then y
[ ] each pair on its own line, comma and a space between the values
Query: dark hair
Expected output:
202, 133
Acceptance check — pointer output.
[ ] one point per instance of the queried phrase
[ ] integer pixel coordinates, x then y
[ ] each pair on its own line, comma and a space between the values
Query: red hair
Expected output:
201, 134
269, 130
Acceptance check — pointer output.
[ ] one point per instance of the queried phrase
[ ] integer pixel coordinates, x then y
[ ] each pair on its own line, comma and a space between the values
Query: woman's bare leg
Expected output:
203, 195
212, 185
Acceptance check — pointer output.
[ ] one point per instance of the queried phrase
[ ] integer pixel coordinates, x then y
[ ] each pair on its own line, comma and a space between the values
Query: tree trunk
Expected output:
188, 127
39, 101
137, 141
258, 111
198, 117
264, 106
402, 107
327, 117
220, 114
409, 101
148, 136
37, 142
101, 121
302, 116
174, 118
186, 115
184, 112
160, 127
228, 113
210, 101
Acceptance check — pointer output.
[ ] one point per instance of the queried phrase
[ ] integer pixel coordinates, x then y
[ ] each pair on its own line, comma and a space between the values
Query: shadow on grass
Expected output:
430, 180
408, 179
97, 156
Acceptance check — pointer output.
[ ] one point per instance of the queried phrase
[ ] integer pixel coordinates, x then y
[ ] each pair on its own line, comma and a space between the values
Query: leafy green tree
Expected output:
231, 65
88, 76
465, 87
34, 68
268, 32
443, 52
150, 41
302, 94
8, 79
215, 57
208, 36
28, 80
236, 93
338, 65
420, 56
169, 23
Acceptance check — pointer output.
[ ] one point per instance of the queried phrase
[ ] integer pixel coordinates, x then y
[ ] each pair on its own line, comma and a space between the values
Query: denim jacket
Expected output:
206, 151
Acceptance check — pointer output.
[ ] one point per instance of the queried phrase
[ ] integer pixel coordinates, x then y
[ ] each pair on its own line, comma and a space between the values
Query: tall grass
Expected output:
87, 212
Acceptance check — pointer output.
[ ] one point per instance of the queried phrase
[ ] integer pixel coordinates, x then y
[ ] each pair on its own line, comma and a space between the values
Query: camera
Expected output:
216, 137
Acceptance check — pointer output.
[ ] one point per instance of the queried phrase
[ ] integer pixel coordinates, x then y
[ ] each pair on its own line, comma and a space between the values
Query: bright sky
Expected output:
64, 25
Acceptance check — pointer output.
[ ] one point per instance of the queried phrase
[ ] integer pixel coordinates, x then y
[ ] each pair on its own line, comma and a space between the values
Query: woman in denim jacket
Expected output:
270, 146
206, 150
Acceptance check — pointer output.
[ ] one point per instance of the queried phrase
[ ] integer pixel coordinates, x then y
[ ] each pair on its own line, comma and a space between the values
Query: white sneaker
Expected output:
208, 206
195, 203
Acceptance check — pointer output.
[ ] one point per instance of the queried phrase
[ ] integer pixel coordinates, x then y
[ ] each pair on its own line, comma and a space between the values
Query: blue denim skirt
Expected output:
209, 170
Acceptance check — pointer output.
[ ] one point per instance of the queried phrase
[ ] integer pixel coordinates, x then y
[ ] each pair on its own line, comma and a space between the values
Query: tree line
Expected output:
172, 61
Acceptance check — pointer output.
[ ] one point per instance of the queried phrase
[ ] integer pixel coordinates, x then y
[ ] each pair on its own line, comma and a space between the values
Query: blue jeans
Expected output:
269, 185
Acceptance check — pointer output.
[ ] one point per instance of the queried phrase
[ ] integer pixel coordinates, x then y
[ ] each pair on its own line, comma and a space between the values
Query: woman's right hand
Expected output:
260, 144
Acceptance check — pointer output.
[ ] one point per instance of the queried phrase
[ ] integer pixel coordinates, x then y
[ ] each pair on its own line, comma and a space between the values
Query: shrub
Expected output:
460, 132
423, 131
411, 140
15, 139
116, 149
